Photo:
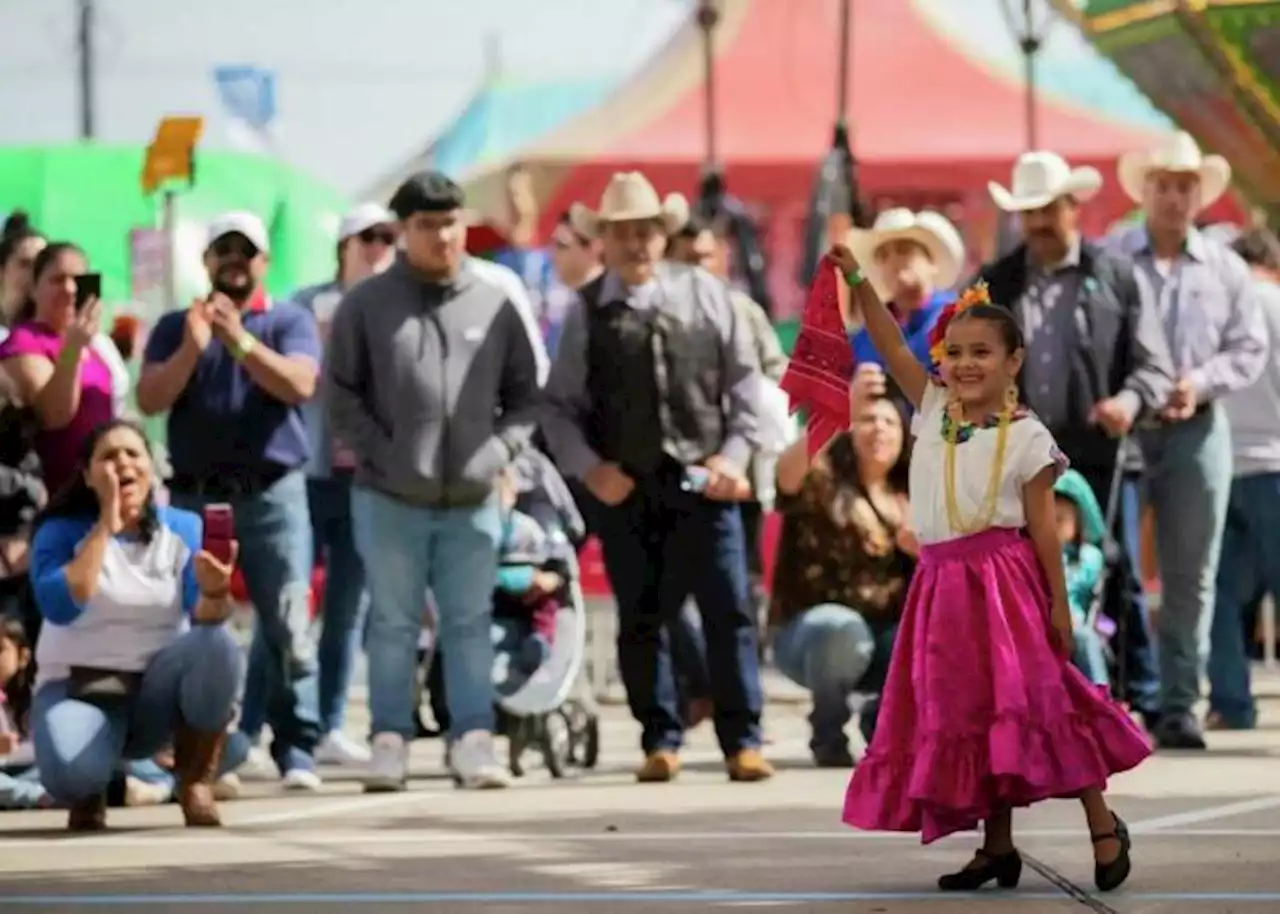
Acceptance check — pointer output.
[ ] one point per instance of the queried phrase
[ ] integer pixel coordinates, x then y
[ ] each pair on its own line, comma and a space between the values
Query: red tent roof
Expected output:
926, 115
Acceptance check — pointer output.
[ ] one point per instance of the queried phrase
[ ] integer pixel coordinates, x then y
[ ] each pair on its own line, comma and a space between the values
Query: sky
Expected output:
361, 84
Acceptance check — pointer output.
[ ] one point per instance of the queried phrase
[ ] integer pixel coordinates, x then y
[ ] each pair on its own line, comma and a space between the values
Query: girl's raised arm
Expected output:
883, 329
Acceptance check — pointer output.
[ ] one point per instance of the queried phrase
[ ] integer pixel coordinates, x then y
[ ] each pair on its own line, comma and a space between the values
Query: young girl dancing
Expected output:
982, 711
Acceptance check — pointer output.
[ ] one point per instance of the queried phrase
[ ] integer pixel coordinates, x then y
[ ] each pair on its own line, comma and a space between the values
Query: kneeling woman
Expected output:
134, 654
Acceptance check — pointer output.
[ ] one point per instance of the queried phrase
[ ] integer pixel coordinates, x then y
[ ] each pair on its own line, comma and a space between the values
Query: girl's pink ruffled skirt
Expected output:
979, 714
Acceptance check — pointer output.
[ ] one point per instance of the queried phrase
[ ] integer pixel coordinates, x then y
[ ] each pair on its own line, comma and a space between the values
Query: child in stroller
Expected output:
538, 624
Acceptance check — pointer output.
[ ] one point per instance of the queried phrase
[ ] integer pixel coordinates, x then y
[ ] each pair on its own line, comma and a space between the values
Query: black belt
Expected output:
229, 482
1156, 421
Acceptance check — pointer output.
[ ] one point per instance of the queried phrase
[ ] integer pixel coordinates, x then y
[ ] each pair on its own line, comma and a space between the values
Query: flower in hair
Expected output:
976, 294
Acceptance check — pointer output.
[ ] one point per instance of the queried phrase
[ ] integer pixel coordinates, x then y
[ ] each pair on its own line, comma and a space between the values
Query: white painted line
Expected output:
340, 807
229, 837
1207, 814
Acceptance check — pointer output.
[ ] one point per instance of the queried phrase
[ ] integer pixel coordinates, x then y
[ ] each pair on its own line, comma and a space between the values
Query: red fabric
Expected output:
258, 301
821, 366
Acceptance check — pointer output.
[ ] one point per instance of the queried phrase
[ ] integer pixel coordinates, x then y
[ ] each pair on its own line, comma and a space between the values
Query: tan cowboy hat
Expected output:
1178, 153
932, 231
630, 197
1039, 178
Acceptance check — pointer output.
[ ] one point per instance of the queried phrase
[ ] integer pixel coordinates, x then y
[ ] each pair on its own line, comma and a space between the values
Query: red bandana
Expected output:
821, 367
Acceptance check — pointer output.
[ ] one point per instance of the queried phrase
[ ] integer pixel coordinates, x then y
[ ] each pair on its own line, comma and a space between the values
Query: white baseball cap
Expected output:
238, 223
364, 216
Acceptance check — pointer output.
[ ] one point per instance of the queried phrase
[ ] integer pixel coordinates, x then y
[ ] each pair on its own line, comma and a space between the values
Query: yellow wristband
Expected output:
243, 346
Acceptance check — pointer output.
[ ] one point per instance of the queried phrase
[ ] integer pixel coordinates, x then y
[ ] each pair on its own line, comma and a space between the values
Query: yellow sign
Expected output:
171, 154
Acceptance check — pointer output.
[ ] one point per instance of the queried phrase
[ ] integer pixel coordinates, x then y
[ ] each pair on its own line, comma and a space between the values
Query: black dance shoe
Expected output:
1005, 869
1110, 876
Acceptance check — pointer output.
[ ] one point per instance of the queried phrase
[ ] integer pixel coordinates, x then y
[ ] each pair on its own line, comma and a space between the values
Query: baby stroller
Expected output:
551, 711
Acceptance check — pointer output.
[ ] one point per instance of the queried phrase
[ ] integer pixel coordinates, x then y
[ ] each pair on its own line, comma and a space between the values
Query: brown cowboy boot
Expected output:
748, 765
195, 765
88, 815
659, 767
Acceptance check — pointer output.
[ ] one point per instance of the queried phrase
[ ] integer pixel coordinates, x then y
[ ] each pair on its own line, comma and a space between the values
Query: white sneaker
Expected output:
227, 787
474, 763
388, 764
258, 766
338, 749
301, 779
138, 792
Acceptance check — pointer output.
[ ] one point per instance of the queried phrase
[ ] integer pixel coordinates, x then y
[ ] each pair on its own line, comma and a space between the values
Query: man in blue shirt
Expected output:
913, 261
233, 371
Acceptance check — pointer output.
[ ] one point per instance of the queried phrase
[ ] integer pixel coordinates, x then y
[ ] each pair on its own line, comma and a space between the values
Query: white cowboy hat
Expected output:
932, 231
1179, 153
1039, 178
630, 197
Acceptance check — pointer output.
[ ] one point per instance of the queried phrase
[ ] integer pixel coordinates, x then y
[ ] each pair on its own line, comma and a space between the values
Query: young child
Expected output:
19, 781
1081, 530
524, 601
982, 712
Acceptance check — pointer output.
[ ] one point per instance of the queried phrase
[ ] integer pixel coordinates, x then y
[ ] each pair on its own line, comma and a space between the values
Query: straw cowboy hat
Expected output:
1039, 178
1178, 153
932, 231
630, 197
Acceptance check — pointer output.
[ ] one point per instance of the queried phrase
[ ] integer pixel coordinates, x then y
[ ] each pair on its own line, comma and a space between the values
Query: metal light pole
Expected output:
84, 42
1029, 30
708, 18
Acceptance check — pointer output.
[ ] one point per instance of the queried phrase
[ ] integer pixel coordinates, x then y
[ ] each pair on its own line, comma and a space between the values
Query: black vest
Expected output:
655, 385
1101, 358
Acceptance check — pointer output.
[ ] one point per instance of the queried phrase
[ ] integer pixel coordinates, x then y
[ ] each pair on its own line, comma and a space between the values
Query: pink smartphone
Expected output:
219, 531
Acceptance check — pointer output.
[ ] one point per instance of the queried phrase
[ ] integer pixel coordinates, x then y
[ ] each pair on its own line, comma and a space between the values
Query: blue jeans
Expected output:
21, 789
1250, 563
1188, 484
1089, 657
80, 746
688, 648
274, 531
408, 550
343, 611
832, 651
660, 545
518, 653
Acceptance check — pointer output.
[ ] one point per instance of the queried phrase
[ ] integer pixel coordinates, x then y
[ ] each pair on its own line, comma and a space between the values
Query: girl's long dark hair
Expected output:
76, 499
47, 257
17, 691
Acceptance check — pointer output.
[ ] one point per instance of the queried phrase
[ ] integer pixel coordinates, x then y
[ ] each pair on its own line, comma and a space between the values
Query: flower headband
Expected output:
976, 294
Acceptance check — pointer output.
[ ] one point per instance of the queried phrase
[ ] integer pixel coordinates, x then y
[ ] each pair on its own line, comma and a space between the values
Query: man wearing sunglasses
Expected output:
366, 246
233, 371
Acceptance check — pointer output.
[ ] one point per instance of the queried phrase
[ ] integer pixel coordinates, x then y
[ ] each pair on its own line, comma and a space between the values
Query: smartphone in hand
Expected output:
219, 531
88, 287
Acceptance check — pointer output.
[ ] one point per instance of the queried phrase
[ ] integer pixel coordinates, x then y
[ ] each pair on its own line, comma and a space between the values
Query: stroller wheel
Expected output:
557, 745
591, 743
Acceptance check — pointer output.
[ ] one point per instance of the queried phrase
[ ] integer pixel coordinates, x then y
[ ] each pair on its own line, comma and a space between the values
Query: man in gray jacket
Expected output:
432, 383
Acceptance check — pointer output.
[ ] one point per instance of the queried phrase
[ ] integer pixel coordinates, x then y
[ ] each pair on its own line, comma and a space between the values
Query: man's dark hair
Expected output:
1259, 248
694, 227
426, 192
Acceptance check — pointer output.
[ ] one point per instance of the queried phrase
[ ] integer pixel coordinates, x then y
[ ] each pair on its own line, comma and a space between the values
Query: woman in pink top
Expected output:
50, 356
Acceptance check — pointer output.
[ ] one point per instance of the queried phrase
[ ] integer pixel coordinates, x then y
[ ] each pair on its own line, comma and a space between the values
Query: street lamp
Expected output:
708, 18
1028, 20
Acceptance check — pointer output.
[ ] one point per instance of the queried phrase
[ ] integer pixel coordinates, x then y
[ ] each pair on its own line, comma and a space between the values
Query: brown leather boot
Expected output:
195, 765
748, 765
659, 767
88, 815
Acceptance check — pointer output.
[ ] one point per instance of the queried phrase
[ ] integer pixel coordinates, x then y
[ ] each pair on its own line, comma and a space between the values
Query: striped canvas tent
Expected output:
934, 109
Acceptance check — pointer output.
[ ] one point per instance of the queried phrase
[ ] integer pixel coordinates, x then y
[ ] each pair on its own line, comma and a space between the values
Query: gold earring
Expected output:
1011, 398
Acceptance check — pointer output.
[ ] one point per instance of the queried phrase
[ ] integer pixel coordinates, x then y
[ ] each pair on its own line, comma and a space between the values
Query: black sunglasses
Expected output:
232, 246
372, 235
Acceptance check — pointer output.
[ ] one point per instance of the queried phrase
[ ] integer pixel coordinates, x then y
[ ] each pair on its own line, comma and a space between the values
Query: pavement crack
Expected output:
1067, 887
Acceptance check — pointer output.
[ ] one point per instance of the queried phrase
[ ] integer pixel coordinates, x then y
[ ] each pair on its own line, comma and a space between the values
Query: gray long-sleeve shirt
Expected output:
691, 297
1208, 305
433, 386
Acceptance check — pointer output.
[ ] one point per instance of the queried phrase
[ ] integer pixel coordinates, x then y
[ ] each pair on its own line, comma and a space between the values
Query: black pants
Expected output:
661, 545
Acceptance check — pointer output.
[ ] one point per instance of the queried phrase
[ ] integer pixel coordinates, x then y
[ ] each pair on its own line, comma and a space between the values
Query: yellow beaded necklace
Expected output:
982, 520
